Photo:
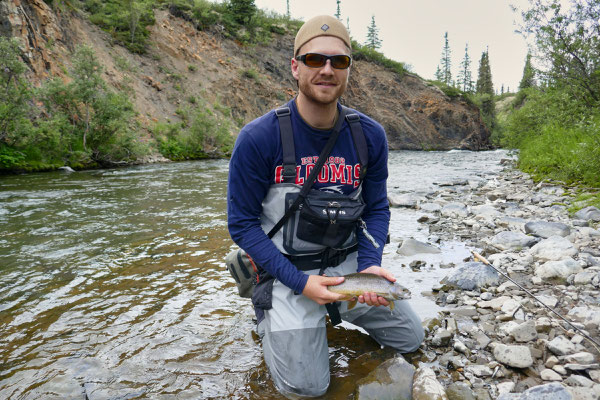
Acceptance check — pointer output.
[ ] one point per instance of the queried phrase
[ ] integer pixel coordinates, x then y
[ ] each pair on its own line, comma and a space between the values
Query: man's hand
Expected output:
371, 298
316, 289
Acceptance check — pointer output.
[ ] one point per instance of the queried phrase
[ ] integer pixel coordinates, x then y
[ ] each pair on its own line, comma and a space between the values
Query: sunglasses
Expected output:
316, 60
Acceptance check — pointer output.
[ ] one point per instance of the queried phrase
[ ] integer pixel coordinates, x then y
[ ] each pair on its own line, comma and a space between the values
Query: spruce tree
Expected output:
528, 79
373, 41
338, 13
438, 74
485, 91
242, 10
465, 81
348, 25
484, 79
288, 14
446, 63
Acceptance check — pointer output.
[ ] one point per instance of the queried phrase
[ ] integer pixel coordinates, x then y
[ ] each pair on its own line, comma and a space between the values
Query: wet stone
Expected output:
460, 391
441, 338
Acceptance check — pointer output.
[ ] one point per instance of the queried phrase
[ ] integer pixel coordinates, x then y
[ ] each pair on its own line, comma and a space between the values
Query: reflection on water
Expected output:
112, 283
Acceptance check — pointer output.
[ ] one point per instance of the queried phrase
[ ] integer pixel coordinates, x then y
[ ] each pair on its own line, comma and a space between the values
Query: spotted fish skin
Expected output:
357, 284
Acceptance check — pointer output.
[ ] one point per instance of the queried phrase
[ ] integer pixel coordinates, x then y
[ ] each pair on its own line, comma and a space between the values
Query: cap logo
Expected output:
325, 27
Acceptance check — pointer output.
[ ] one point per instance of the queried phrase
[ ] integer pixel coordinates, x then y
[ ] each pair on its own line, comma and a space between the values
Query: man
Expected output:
290, 299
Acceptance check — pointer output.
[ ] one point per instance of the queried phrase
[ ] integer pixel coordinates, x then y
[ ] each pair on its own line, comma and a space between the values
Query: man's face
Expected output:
323, 85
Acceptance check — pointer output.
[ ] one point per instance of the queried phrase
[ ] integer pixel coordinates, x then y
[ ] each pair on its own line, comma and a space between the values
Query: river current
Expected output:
113, 285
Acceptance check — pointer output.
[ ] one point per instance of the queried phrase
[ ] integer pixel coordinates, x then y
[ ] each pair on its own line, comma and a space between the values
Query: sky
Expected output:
413, 31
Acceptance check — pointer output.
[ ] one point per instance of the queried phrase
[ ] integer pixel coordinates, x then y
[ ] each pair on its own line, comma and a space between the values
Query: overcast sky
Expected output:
413, 31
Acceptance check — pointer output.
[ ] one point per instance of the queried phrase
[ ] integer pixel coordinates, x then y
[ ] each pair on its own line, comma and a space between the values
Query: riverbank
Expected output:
492, 340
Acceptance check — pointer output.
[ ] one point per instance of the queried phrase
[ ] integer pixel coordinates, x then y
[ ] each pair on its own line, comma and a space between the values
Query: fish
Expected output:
357, 284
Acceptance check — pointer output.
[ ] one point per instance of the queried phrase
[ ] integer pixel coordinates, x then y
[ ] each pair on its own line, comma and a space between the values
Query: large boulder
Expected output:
472, 275
392, 380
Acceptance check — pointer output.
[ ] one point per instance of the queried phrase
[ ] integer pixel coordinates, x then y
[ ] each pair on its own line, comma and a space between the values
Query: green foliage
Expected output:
250, 73
366, 53
449, 91
558, 136
528, 79
201, 134
373, 42
125, 20
484, 78
568, 45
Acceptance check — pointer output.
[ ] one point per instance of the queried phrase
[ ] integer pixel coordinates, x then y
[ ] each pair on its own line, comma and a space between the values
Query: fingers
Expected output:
332, 280
372, 299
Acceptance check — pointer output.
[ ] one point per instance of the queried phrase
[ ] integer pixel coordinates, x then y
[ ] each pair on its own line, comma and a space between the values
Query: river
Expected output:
113, 285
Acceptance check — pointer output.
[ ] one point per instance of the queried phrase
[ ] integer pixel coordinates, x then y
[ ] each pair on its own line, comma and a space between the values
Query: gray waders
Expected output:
292, 327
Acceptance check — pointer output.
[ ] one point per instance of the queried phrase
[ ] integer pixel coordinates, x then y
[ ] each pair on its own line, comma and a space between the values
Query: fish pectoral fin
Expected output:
352, 303
392, 305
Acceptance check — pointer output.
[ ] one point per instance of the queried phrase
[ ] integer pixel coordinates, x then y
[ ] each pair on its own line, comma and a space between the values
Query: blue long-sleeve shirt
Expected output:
256, 164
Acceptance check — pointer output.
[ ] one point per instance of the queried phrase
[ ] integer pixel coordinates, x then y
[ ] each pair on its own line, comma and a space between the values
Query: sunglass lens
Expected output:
340, 62
315, 60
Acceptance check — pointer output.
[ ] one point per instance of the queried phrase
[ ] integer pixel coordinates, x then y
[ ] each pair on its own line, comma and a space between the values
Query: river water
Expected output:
112, 284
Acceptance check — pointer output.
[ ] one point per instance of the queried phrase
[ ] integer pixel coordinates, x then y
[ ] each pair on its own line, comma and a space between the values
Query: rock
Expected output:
455, 210
505, 387
558, 269
472, 275
579, 380
512, 223
580, 358
410, 247
429, 207
460, 347
551, 362
460, 391
390, 380
66, 168
408, 200
481, 371
583, 393
486, 296
548, 300
485, 212
426, 386
549, 391
581, 367
585, 277
589, 316
588, 213
513, 356
553, 249
545, 229
524, 332
549, 375
509, 240
494, 304
561, 346
441, 338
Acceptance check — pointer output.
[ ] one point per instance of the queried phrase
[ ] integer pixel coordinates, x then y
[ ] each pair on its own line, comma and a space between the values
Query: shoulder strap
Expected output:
287, 144
360, 143
313, 174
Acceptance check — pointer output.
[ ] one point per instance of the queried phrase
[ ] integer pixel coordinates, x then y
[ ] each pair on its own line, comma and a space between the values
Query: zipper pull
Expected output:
363, 226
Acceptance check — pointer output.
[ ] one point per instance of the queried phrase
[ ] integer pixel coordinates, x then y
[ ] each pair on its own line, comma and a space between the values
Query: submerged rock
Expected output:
472, 275
392, 380
460, 391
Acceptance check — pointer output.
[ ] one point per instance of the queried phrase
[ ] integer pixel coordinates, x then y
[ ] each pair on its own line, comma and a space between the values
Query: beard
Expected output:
319, 95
